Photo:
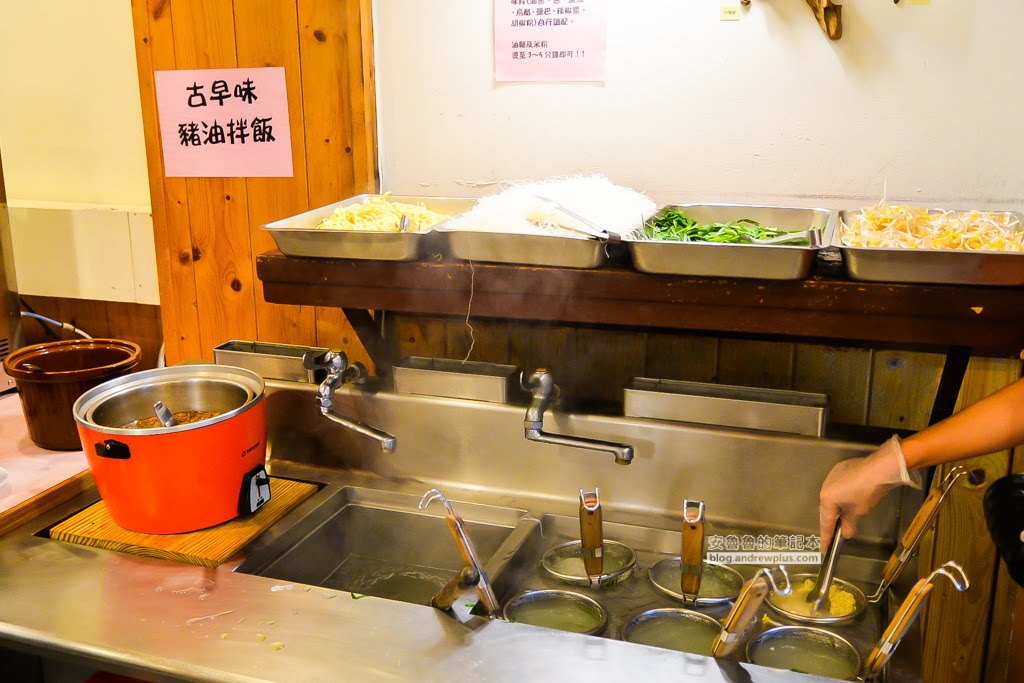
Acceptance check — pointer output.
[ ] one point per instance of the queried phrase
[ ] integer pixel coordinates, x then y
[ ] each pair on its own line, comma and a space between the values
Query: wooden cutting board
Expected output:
211, 547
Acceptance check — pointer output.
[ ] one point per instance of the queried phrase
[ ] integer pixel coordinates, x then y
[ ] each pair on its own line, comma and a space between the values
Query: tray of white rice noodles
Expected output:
382, 227
890, 243
539, 223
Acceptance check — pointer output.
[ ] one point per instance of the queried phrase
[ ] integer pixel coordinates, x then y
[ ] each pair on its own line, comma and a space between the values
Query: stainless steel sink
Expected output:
378, 543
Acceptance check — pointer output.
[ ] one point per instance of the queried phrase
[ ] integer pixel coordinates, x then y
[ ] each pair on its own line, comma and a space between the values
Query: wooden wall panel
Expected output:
489, 340
179, 311
893, 389
764, 364
331, 51
682, 357
1015, 648
956, 628
206, 229
267, 34
359, 33
843, 374
604, 362
204, 38
903, 386
416, 336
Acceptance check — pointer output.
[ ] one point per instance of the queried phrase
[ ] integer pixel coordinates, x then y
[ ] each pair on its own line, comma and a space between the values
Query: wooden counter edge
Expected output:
45, 501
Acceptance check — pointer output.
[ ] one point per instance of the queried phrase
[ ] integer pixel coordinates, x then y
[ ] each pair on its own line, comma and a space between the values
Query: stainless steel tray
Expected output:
775, 262
531, 250
299, 235
456, 379
794, 412
270, 361
930, 266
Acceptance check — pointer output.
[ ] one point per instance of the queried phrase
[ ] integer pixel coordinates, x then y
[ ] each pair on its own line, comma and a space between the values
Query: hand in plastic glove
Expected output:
855, 486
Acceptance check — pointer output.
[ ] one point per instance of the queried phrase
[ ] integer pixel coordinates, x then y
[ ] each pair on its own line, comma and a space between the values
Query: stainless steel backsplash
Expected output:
748, 479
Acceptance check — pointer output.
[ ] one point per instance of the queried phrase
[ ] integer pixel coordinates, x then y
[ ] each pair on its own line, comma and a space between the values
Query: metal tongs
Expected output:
908, 612
469, 556
748, 602
691, 555
812, 235
819, 594
591, 533
588, 227
922, 521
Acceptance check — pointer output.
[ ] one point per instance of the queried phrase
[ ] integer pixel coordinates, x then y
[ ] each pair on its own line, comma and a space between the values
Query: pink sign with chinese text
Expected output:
224, 123
550, 40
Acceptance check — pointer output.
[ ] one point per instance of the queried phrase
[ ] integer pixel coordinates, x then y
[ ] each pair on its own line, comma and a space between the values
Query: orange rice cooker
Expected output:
174, 479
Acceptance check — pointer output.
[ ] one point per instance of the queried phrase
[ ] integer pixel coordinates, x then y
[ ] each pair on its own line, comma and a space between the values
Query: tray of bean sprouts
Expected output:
380, 227
899, 243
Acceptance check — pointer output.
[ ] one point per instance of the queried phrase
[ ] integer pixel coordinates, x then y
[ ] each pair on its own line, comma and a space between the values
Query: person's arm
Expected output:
992, 424
855, 486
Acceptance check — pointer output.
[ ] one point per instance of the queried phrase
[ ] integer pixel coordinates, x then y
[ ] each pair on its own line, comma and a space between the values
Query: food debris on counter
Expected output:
208, 617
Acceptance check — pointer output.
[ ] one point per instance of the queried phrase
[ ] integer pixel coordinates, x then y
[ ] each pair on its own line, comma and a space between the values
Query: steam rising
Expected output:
518, 208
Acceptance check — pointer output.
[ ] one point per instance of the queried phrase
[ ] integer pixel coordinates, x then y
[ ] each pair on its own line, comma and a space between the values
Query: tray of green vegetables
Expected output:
715, 240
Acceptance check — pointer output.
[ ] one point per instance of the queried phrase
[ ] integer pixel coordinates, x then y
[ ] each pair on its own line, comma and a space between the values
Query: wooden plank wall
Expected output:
881, 388
207, 229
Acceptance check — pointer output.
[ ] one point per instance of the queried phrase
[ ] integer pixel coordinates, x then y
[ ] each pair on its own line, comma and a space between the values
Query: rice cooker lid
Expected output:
94, 400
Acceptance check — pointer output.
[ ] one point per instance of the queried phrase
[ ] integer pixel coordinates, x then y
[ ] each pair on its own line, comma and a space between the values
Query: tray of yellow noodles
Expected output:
381, 227
887, 243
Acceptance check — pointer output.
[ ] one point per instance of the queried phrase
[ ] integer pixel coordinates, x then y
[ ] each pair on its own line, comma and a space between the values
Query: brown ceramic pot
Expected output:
50, 377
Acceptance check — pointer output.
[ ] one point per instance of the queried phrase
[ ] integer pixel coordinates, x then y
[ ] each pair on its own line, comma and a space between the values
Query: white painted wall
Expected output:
73, 150
926, 97
71, 122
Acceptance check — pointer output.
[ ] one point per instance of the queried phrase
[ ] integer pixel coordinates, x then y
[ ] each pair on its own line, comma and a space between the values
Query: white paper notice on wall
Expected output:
550, 40
224, 123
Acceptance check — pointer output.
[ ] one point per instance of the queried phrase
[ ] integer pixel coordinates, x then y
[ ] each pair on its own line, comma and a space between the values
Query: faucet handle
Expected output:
541, 379
311, 360
354, 374
329, 360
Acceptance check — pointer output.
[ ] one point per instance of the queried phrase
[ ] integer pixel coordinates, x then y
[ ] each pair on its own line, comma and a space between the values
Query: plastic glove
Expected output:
855, 486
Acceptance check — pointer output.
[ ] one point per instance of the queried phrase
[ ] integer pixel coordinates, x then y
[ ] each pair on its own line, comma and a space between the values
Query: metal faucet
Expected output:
542, 387
340, 372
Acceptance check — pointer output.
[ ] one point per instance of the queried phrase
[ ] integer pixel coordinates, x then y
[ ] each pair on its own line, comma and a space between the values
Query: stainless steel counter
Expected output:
162, 621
